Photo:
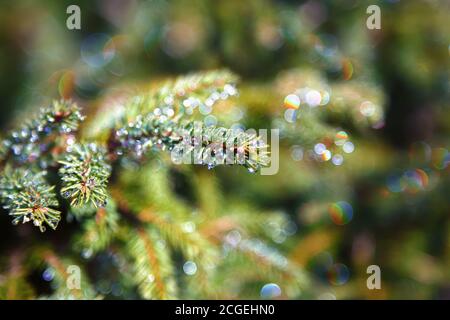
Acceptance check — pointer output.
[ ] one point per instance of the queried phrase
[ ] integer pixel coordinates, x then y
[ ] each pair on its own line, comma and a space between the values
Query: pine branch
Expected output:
13, 282
15, 287
170, 225
35, 141
61, 278
149, 186
153, 272
248, 220
98, 232
151, 132
153, 122
191, 244
271, 265
28, 197
185, 94
85, 175
192, 143
212, 146
209, 197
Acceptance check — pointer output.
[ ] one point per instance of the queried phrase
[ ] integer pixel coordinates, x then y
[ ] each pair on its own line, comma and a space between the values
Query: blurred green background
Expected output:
386, 204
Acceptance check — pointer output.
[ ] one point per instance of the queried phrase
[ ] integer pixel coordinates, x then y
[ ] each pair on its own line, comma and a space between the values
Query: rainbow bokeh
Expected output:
292, 101
66, 84
341, 212
440, 157
416, 180
347, 69
411, 181
340, 138
326, 155
338, 274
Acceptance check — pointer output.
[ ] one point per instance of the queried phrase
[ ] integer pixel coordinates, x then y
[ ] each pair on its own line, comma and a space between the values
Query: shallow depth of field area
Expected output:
97, 201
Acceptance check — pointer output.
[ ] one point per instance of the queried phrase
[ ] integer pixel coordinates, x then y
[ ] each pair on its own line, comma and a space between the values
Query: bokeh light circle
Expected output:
348, 147
340, 138
337, 159
48, 274
338, 274
325, 155
292, 101
297, 153
319, 148
313, 98
290, 115
440, 158
97, 50
190, 268
270, 291
341, 212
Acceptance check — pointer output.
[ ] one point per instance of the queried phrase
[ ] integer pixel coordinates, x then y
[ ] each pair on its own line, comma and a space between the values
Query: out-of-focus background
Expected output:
378, 196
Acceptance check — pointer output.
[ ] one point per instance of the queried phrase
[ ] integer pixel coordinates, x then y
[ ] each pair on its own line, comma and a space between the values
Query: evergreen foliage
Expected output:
103, 170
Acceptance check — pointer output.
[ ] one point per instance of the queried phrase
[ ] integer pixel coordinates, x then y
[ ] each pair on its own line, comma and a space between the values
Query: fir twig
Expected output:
152, 266
28, 197
35, 141
85, 173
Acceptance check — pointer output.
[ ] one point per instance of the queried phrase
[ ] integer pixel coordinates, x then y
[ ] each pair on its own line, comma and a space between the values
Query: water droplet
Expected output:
210, 121
205, 109
230, 89
150, 278
188, 227
337, 159
48, 274
233, 238
87, 253
17, 149
348, 147
270, 291
190, 268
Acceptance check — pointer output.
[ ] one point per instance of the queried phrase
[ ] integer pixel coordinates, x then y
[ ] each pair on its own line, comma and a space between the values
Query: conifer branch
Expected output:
151, 132
29, 198
157, 121
153, 272
191, 244
59, 268
186, 93
35, 141
13, 282
99, 231
212, 146
85, 173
